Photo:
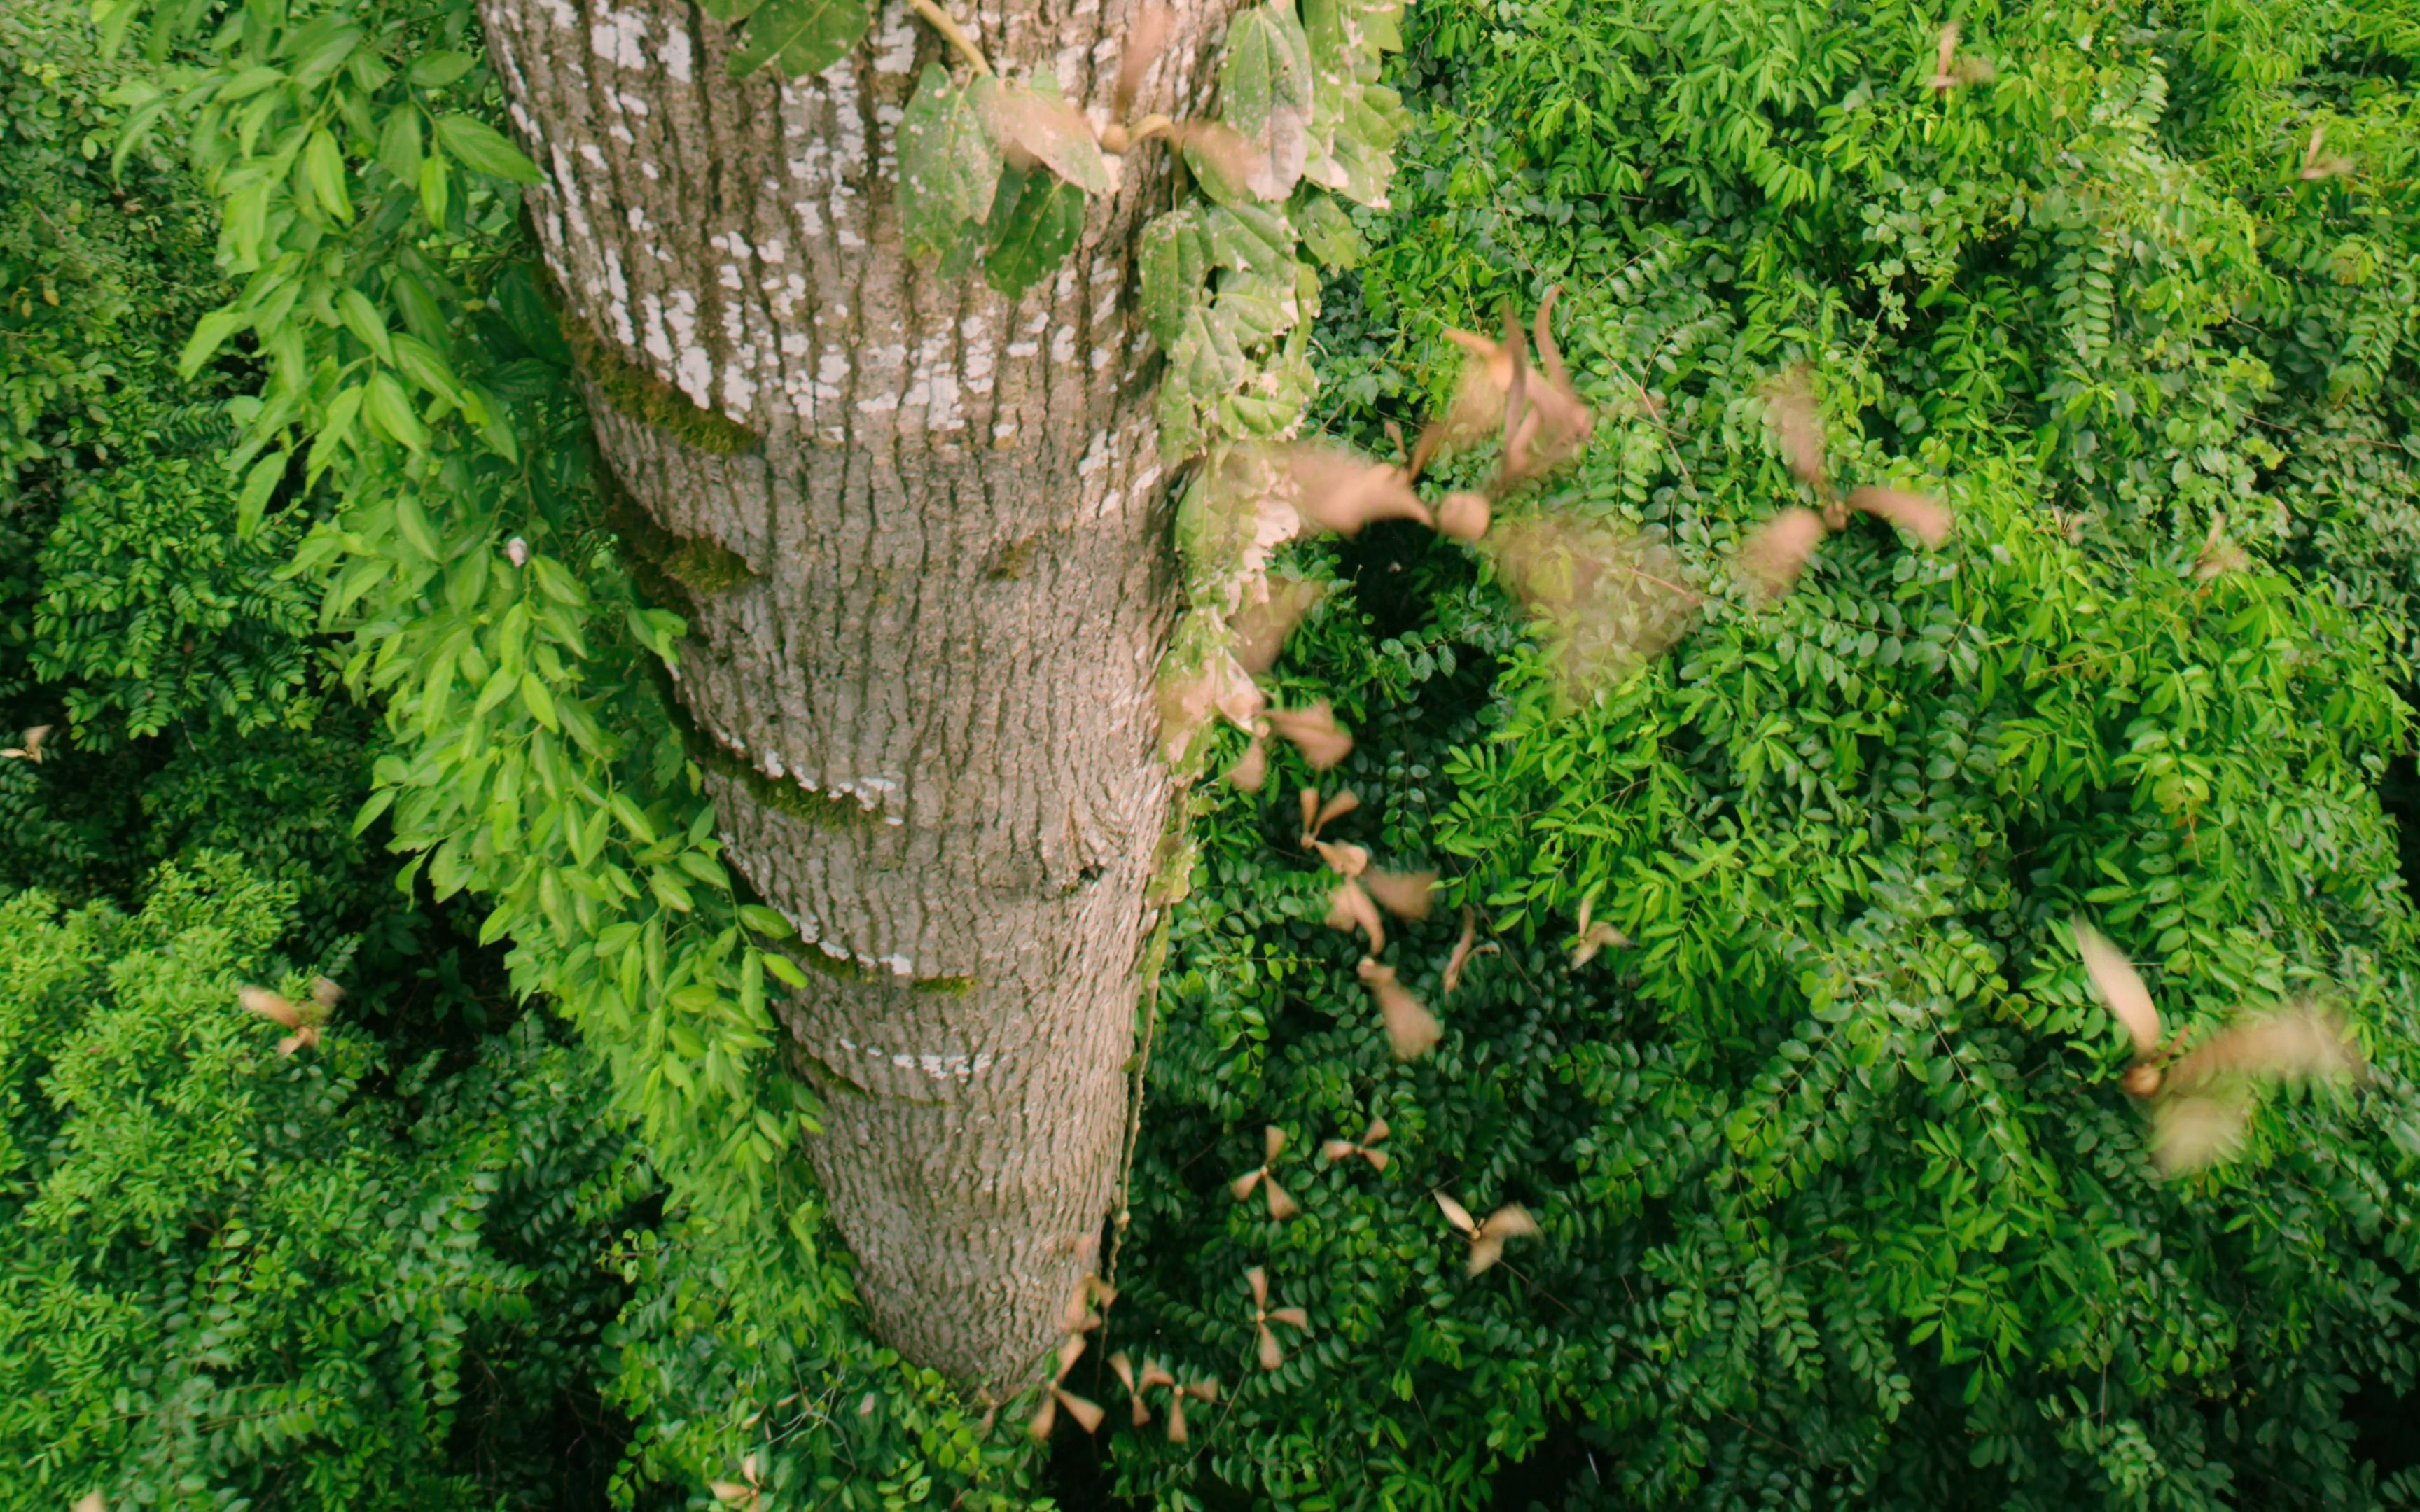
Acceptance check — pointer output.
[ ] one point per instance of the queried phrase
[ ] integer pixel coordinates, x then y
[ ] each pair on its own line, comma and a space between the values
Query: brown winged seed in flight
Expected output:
2199, 1103
1264, 1315
304, 1019
1412, 1030
1512, 1221
1365, 1147
31, 748
1282, 1207
1056, 1395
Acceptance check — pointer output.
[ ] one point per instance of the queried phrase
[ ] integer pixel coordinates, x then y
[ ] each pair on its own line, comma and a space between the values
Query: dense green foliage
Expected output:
1840, 1199
325, 1280
1842, 1202
372, 1275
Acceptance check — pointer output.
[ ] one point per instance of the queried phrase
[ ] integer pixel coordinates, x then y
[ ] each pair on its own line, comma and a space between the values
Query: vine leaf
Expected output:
1032, 127
1035, 219
804, 36
1264, 97
949, 168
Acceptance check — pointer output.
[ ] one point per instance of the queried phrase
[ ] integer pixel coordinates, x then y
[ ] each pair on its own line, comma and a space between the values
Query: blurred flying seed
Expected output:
1282, 1207
1412, 1030
1259, 629
1771, 558
1314, 732
2315, 166
1462, 950
1594, 936
1264, 1315
1335, 1150
31, 748
2119, 986
1317, 815
1251, 770
1487, 1239
1920, 515
1146, 39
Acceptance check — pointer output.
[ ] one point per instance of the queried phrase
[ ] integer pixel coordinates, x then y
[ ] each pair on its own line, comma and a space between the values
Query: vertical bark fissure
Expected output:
958, 585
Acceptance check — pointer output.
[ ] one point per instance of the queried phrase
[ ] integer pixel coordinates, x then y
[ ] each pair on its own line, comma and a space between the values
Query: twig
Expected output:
955, 35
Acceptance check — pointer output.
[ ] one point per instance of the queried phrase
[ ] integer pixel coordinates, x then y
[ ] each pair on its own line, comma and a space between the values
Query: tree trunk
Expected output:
927, 584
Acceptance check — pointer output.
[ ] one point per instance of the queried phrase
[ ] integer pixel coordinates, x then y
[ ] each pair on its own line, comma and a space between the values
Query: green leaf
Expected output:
388, 408
419, 362
805, 36
210, 332
733, 10
367, 814
436, 70
257, 486
400, 147
412, 523
433, 190
482, 149
540, 700
1329, 233
362, 319
1034, 233
323, 168
949, 169
1175, 261
765, 921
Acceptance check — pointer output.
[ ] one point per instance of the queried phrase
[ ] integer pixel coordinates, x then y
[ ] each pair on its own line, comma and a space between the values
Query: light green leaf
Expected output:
733, 10
437, 70
362, 319
254, 500
400, 147
412, 523
323, 168
540, 700
389, 408
482, 149
209, 333
949, 169
805, 36
787, 969
433, 189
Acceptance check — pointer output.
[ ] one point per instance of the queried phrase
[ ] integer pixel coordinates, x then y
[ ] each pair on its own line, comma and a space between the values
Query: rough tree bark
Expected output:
926, 598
